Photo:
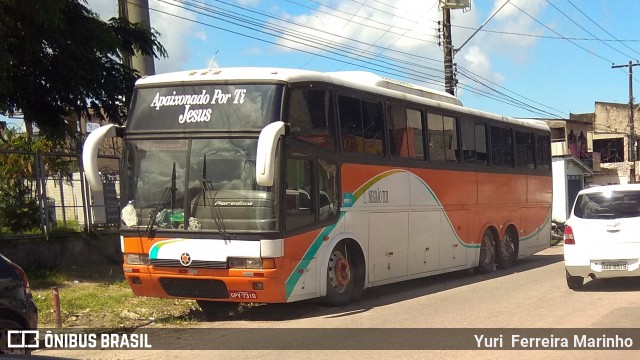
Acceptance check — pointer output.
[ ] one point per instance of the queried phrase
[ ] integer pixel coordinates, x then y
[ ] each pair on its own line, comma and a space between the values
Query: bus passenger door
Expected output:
424, 241
388, 235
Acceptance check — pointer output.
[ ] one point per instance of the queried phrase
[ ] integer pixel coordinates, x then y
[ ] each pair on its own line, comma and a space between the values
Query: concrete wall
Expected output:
65, 252
612, 118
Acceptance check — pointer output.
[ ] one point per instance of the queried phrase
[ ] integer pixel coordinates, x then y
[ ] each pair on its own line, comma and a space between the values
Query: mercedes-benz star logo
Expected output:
185, 259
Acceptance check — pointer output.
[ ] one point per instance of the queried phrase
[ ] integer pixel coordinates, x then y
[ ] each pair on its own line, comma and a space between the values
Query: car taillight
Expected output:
25, 280
568, 236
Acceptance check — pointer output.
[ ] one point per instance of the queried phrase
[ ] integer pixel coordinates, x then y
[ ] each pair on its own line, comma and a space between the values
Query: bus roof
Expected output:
360, 80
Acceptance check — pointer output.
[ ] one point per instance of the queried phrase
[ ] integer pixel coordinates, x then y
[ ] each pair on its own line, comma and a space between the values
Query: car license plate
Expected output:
614, 266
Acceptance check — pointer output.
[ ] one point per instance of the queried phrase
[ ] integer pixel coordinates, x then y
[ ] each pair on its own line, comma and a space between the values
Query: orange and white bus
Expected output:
278, 185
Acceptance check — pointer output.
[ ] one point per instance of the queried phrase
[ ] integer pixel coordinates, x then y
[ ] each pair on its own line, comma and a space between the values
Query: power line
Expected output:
370, 65
603, 29
585, 30
337, 52
343, 26
359, 23
260, 25
555, 32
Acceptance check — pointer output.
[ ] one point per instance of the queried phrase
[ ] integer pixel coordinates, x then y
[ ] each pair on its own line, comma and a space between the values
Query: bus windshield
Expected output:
205, 181
196, 185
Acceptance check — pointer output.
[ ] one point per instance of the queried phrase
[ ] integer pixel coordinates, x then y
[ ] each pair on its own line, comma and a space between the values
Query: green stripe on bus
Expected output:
308, 256
153, 253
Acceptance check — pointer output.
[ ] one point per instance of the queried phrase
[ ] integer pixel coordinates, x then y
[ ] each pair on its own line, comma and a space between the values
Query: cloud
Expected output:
364, 34
251, 3
407, 32
174, 32
104, 8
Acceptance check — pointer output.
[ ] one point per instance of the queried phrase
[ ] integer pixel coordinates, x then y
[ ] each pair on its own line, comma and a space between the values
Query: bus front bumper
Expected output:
227, 285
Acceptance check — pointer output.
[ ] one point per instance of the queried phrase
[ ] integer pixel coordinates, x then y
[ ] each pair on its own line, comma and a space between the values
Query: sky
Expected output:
532, 58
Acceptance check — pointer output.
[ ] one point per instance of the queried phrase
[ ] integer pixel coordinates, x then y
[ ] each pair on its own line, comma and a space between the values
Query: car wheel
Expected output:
5, 326
574, 282
487, 253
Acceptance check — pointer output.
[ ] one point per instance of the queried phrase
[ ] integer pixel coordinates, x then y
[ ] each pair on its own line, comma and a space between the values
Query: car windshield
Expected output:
608, 205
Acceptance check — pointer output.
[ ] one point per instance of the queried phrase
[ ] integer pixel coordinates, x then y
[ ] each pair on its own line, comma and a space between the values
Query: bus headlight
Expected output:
250, 263
136, 259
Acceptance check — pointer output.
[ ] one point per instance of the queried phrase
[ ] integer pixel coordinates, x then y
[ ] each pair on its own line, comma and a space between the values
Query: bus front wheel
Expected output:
340, 276
215, 309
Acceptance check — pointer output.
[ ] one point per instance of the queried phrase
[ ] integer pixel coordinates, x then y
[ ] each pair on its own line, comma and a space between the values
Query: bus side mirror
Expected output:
265, 158
91, 171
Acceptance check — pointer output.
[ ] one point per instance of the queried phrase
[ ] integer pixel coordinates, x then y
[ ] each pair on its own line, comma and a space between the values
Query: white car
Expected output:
602, 234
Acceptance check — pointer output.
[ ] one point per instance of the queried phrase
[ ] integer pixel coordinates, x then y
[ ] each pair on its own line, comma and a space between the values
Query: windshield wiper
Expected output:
169, 195
216, 213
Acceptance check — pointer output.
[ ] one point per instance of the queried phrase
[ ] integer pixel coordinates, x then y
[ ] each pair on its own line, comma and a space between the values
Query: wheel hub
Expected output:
342, 272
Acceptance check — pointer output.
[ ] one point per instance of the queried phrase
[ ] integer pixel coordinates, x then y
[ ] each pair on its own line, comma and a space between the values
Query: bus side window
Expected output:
299, 195
328, 190
443, 138
543, 160
415, 134
405, 132
525, 150
311, 117
398, 132
373, 128
501, 146
350, 124
361, 126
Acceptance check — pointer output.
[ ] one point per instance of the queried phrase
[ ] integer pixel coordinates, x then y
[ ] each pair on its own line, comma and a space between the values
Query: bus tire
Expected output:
487, 253
340, 276
216, 309
507, 250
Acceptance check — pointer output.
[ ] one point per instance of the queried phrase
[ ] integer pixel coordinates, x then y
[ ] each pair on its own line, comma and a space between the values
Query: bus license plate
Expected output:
243, 295
614, 266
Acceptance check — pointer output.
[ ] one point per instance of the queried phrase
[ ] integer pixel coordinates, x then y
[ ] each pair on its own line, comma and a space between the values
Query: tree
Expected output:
19, 208
57, 59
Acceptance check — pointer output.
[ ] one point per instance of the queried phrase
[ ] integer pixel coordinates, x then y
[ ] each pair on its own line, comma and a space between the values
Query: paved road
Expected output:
531, 295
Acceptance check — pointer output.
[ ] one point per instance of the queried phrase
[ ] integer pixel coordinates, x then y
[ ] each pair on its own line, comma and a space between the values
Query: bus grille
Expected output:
194, 263
195, 288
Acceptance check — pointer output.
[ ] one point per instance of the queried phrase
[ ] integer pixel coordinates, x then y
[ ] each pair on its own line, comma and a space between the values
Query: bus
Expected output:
272, 185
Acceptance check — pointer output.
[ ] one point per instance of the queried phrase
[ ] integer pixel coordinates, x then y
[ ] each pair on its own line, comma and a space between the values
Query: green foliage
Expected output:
70, 227
58, 58
18, 210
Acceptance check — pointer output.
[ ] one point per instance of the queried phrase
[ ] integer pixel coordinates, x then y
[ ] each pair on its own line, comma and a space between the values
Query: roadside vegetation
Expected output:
101, 298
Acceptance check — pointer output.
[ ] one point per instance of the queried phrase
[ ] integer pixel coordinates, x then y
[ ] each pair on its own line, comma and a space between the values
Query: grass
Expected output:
101, 298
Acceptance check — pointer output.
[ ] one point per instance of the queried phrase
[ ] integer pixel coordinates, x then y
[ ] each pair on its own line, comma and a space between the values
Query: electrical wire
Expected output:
622, 42
344, 53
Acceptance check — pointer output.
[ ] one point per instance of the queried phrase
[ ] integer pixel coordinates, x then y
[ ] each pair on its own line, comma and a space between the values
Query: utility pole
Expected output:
449, 79
631, 149
137, 11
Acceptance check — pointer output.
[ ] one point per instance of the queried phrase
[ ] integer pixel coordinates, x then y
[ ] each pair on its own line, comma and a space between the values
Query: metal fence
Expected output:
62, 198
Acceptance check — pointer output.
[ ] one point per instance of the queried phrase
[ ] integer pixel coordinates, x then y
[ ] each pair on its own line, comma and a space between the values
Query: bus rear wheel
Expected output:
487, 253
340, 276
506, 253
